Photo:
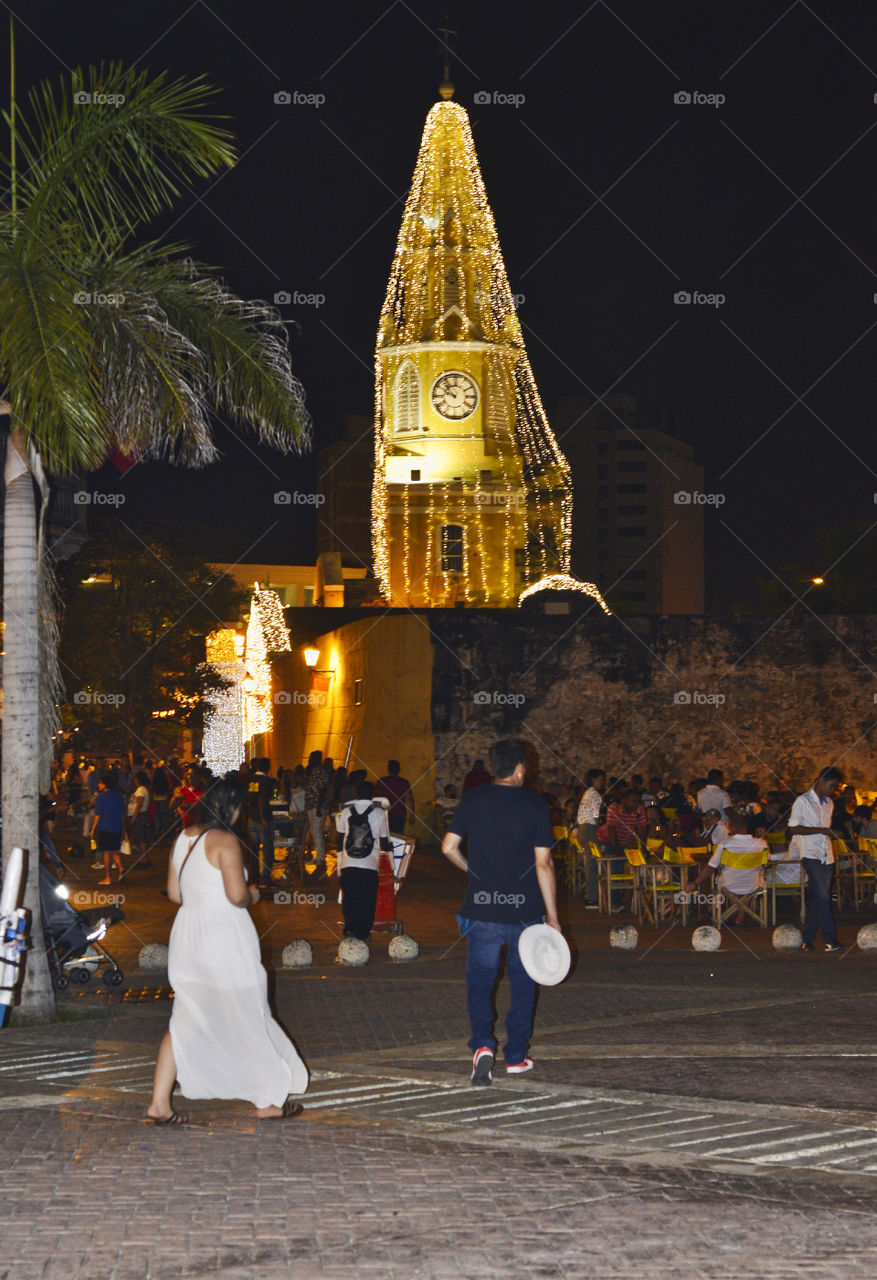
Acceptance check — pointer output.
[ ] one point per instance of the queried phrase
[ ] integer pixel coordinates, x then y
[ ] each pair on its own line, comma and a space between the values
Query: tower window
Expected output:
407, 398
415, 475
452, 548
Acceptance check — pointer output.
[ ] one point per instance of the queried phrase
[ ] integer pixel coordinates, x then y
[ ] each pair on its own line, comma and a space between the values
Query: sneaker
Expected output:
97, 866
482, 1066
806, 946
518, 1068
833, 946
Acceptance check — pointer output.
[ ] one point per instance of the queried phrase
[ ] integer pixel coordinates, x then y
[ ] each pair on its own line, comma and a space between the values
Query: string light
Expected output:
564, 582
449, 307
224, 717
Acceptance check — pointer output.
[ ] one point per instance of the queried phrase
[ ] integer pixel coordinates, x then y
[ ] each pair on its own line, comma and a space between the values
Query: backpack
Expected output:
360, 839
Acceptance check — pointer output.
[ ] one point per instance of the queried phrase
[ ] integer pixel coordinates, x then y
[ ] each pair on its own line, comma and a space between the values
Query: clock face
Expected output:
455, 395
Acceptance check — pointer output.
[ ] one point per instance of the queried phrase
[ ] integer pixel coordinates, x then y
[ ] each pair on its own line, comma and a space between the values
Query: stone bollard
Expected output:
153, 958
706, 938
298, 955
624, 937
353, 951
786, 937
403, 949
866, 938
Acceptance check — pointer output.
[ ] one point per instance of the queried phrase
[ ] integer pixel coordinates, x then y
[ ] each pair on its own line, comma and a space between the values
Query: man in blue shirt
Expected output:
511, 886
109, 821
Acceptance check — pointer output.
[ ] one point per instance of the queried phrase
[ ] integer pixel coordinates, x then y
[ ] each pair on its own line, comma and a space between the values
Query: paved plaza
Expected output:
690, 1115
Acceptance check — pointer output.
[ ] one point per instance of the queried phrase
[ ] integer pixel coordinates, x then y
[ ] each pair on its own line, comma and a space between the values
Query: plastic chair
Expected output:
791, 888
678, 860
607, 879
640, 869
753, 902
864, 873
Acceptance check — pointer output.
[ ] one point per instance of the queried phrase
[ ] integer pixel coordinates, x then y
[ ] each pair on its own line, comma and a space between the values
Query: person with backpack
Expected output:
361, 826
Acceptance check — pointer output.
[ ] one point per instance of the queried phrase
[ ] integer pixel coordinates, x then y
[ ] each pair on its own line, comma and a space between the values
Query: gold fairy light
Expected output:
564, 582
450, 314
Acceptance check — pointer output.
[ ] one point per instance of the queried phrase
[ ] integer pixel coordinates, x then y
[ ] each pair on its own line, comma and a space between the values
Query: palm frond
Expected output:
114, 148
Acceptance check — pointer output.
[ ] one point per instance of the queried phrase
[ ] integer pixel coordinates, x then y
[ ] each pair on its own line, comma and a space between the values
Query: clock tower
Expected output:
472, 497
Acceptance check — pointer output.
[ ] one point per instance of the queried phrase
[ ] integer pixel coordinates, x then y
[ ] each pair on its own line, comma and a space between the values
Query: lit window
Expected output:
452, 548
407, 398
357, 693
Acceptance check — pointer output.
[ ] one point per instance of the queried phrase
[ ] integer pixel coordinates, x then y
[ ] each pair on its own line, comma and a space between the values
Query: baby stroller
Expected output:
73, 938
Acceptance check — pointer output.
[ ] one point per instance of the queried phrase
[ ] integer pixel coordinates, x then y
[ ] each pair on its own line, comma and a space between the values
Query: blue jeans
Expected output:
819, 900
486, 939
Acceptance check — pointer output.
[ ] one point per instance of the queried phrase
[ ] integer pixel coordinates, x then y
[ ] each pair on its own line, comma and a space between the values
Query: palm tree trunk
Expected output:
21, 657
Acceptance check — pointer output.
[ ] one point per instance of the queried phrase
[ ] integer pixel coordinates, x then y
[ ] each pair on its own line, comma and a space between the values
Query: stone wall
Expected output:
762, 699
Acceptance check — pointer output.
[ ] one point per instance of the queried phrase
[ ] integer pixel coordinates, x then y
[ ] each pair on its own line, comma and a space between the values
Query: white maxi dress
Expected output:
226, 1043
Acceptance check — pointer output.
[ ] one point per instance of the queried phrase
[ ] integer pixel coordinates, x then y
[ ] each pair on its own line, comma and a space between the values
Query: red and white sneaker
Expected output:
482, 1066
518, 1068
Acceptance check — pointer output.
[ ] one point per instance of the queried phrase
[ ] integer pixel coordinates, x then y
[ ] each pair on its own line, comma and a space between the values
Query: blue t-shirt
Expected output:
504, 826
110, 808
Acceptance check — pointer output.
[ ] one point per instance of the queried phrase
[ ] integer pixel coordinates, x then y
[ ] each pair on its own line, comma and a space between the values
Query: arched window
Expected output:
407, 415
452, 548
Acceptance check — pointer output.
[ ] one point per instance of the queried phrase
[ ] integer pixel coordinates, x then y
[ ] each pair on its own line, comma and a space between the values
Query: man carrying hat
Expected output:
511, 886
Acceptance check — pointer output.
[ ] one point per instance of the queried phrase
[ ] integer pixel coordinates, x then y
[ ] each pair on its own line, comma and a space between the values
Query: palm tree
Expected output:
107, 342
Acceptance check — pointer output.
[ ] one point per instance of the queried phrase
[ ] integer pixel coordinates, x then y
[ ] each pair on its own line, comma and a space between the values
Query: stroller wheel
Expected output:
81, 975
114, 977
61, 982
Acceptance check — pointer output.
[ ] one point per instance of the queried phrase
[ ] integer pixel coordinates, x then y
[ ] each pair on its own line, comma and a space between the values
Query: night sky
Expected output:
609, 198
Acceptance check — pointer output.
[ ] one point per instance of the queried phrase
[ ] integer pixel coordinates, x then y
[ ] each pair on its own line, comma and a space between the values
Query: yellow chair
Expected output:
607, 879
844, 874
864, 873
678, 860
776, 839
640, 871
792, 888
753, 902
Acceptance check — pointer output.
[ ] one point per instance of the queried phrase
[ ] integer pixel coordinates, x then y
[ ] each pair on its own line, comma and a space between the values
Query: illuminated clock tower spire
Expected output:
472, 498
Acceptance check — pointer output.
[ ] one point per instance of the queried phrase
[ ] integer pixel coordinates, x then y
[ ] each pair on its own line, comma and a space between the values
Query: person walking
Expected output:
397, 790
511, 885
138, 815
317, 806
107, 825
361, 826
811, 832
222, 1041
587, 822
260, 819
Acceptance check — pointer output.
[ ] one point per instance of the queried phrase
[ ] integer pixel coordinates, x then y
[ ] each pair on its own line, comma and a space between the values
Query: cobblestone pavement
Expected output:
690, 1115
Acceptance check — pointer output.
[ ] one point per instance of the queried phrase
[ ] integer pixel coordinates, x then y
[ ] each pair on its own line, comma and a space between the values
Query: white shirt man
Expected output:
739, 880
811, 810
713, 797
589, 808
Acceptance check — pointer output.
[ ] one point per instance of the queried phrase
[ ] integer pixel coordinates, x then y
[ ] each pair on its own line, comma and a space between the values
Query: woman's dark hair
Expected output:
219, 803
141, 777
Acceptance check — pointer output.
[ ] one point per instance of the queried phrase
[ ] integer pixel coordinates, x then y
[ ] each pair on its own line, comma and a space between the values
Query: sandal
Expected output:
175, 1117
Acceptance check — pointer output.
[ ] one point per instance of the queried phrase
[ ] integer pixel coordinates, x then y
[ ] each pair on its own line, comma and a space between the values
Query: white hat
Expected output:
544, 954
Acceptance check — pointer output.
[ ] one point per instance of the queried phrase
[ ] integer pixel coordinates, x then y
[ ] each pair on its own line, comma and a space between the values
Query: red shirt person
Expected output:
397, 790
476, 777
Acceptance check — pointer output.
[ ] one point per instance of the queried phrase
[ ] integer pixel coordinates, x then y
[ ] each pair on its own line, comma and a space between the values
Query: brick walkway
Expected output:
690, 1116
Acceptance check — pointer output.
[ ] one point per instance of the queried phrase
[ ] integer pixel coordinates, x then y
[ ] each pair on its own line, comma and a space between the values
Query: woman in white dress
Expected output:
222, 1041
